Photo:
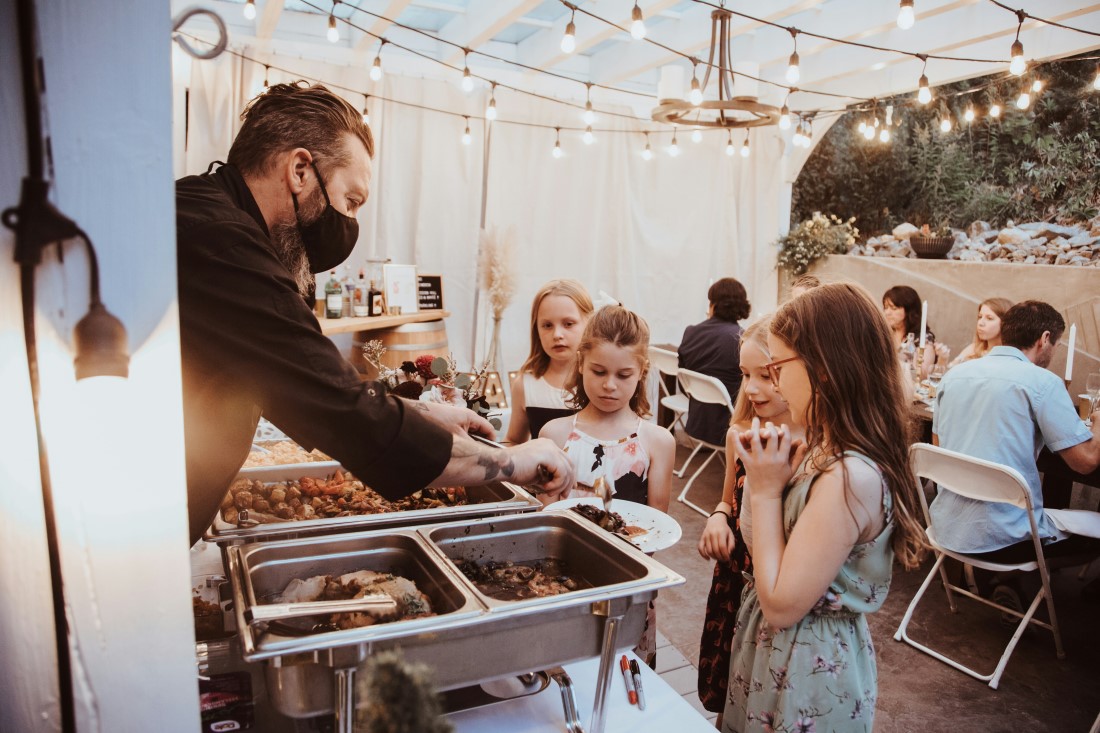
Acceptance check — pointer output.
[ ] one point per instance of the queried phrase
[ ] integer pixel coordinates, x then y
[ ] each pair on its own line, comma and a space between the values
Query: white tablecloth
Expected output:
542, 713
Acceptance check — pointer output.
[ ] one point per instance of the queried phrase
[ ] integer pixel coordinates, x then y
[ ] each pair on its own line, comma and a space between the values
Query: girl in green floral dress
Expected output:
828, 516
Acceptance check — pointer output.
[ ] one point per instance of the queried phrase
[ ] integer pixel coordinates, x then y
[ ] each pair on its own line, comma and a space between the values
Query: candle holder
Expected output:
918, 362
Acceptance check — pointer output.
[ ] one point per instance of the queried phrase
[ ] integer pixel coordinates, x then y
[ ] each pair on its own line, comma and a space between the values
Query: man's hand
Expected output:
542, 464
458, 420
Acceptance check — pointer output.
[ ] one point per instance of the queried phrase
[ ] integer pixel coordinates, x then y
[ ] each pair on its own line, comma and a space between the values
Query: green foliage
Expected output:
812, 239
1035, 164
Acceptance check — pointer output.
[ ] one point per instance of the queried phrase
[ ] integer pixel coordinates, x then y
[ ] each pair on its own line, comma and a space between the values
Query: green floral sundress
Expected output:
818, 676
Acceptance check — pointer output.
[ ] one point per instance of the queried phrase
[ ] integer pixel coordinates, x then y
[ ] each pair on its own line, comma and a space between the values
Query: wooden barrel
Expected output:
408, 341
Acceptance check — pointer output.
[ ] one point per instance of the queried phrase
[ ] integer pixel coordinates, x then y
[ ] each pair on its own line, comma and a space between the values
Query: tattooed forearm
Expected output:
494, 465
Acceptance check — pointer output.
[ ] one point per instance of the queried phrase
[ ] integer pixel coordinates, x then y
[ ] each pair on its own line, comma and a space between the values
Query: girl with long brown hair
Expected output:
987, 333
829, 514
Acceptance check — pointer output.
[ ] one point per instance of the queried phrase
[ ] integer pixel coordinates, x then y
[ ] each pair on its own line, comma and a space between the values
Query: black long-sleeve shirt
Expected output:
712, 347
251, 345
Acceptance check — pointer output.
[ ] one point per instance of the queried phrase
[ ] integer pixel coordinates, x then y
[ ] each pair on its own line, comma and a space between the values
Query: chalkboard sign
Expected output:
430, 292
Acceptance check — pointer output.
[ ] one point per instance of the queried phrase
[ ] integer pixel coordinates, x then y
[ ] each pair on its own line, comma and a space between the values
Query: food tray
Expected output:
492, 499
463, 644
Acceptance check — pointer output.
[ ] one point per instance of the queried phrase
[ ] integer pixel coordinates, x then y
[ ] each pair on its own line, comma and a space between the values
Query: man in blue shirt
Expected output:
1004, 407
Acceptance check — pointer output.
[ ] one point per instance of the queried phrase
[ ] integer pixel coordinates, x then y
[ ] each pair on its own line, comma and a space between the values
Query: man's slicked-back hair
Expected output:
297, 115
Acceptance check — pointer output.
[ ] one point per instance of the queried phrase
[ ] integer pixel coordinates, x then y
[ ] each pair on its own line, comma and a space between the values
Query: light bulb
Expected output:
569, 40
637, 24
945, 124
557, 149
1096, 81
647, 154
906, 16
784, 118
869, 132
376, 69
250, 9
884, 135
673, 149
589, 138
1018, 66
876, 123
491, 110
366, 116
589, 115
792, 69
1037, 85
994, 110
924, 95
745, 148
696, 94
729, 148
969, 114
333, 32
862, 127
466, 138
467, 80
1024, 100
697, 136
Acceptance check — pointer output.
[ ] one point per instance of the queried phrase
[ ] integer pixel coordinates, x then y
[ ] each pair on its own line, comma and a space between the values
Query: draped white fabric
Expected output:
652, 233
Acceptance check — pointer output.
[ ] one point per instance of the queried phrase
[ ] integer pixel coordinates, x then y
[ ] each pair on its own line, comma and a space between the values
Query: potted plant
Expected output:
932, 244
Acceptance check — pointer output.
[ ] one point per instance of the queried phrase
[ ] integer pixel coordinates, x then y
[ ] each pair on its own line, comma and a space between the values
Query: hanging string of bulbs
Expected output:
803, 126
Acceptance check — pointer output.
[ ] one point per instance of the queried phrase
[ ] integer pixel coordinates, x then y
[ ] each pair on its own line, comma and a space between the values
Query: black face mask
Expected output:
331, 238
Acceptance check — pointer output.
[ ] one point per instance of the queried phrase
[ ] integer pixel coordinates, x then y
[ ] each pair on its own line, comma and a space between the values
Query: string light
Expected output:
924, 93
333, 31
376, 67
250, 9
1037, 85
968, 115
647, 154
945, 121
466, 138
1096, 81
589, 138
994, 110
793, 72
266, 70
366, 112
869, 132
569, 40
589, 114
862, 126
637, 24
785, 114
1024, 100
1018, 66
491, 110
696, 94
557, 153
729, 144
745, 146
697, 135
889, 116
906, 17
673, 149
467, 80
884, 134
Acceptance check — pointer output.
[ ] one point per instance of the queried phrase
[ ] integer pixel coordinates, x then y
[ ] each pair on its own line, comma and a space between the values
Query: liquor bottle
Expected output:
334, 297
349, 292
376, 301
360, 305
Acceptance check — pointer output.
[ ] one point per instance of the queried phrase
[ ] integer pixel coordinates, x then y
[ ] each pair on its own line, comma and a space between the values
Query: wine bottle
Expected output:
349, 292
361, 304
376, 301
334, 297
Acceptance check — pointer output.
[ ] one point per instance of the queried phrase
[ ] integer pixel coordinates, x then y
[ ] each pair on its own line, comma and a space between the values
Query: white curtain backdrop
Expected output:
653, 234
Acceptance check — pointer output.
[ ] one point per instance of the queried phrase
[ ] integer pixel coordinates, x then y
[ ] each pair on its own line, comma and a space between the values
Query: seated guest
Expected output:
988, 332
1004, 408
901, 306
802, 283
713, 348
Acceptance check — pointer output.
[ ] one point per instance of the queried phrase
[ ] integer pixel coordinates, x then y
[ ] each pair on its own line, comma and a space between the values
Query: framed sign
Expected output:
430, 292
401, 295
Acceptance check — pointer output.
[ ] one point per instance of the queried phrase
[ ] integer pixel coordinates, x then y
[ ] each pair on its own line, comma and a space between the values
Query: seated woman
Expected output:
712, 348
988, 332
901, 307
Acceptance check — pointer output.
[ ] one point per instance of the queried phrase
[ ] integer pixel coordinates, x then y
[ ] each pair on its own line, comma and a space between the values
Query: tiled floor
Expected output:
680, 674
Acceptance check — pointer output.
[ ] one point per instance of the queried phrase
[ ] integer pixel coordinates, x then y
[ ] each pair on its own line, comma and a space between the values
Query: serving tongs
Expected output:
377, 604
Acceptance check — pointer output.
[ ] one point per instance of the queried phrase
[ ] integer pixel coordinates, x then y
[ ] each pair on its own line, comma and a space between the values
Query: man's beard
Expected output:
288, 244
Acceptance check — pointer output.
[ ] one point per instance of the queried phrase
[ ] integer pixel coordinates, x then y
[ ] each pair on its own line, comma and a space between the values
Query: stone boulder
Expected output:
904, 231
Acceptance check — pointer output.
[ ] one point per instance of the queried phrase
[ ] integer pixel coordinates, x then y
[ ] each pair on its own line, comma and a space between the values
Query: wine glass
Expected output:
934, 377
1092, 387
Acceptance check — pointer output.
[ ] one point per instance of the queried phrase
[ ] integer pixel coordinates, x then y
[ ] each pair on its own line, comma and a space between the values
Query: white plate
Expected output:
662, 530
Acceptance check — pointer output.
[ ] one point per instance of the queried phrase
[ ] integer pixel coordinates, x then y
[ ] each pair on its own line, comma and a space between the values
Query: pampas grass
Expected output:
497, 265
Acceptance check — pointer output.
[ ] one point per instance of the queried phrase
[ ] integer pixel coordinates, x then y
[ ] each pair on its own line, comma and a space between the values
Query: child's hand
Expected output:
769, 456
717, 541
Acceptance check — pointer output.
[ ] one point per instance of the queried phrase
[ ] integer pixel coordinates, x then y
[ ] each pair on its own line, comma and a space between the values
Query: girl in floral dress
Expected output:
721, 540
828, 516
608, 438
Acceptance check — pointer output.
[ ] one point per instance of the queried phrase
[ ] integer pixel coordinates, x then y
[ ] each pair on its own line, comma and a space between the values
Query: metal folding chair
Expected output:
667, 365
979, 480
702, 388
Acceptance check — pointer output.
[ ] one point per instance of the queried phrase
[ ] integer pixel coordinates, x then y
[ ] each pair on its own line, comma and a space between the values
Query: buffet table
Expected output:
542, 713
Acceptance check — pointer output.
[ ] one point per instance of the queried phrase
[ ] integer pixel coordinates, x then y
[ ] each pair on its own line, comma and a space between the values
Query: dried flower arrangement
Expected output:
497, 267
433, 378
812, 239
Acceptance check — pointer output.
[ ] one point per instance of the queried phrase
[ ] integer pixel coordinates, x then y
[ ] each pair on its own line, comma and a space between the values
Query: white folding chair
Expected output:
979, 480
702, 388
667, 365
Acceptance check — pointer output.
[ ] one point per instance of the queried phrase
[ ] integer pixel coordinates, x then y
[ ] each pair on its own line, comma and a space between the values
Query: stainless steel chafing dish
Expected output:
472, 638
489, 500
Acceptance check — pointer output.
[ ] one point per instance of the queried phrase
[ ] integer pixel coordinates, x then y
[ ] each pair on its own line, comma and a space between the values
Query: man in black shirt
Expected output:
249, 237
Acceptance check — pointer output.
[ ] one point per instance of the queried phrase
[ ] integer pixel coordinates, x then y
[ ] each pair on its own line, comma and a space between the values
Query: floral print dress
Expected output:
818, 676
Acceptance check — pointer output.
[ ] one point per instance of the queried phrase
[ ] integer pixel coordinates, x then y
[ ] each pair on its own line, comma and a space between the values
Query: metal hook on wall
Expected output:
223, 34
